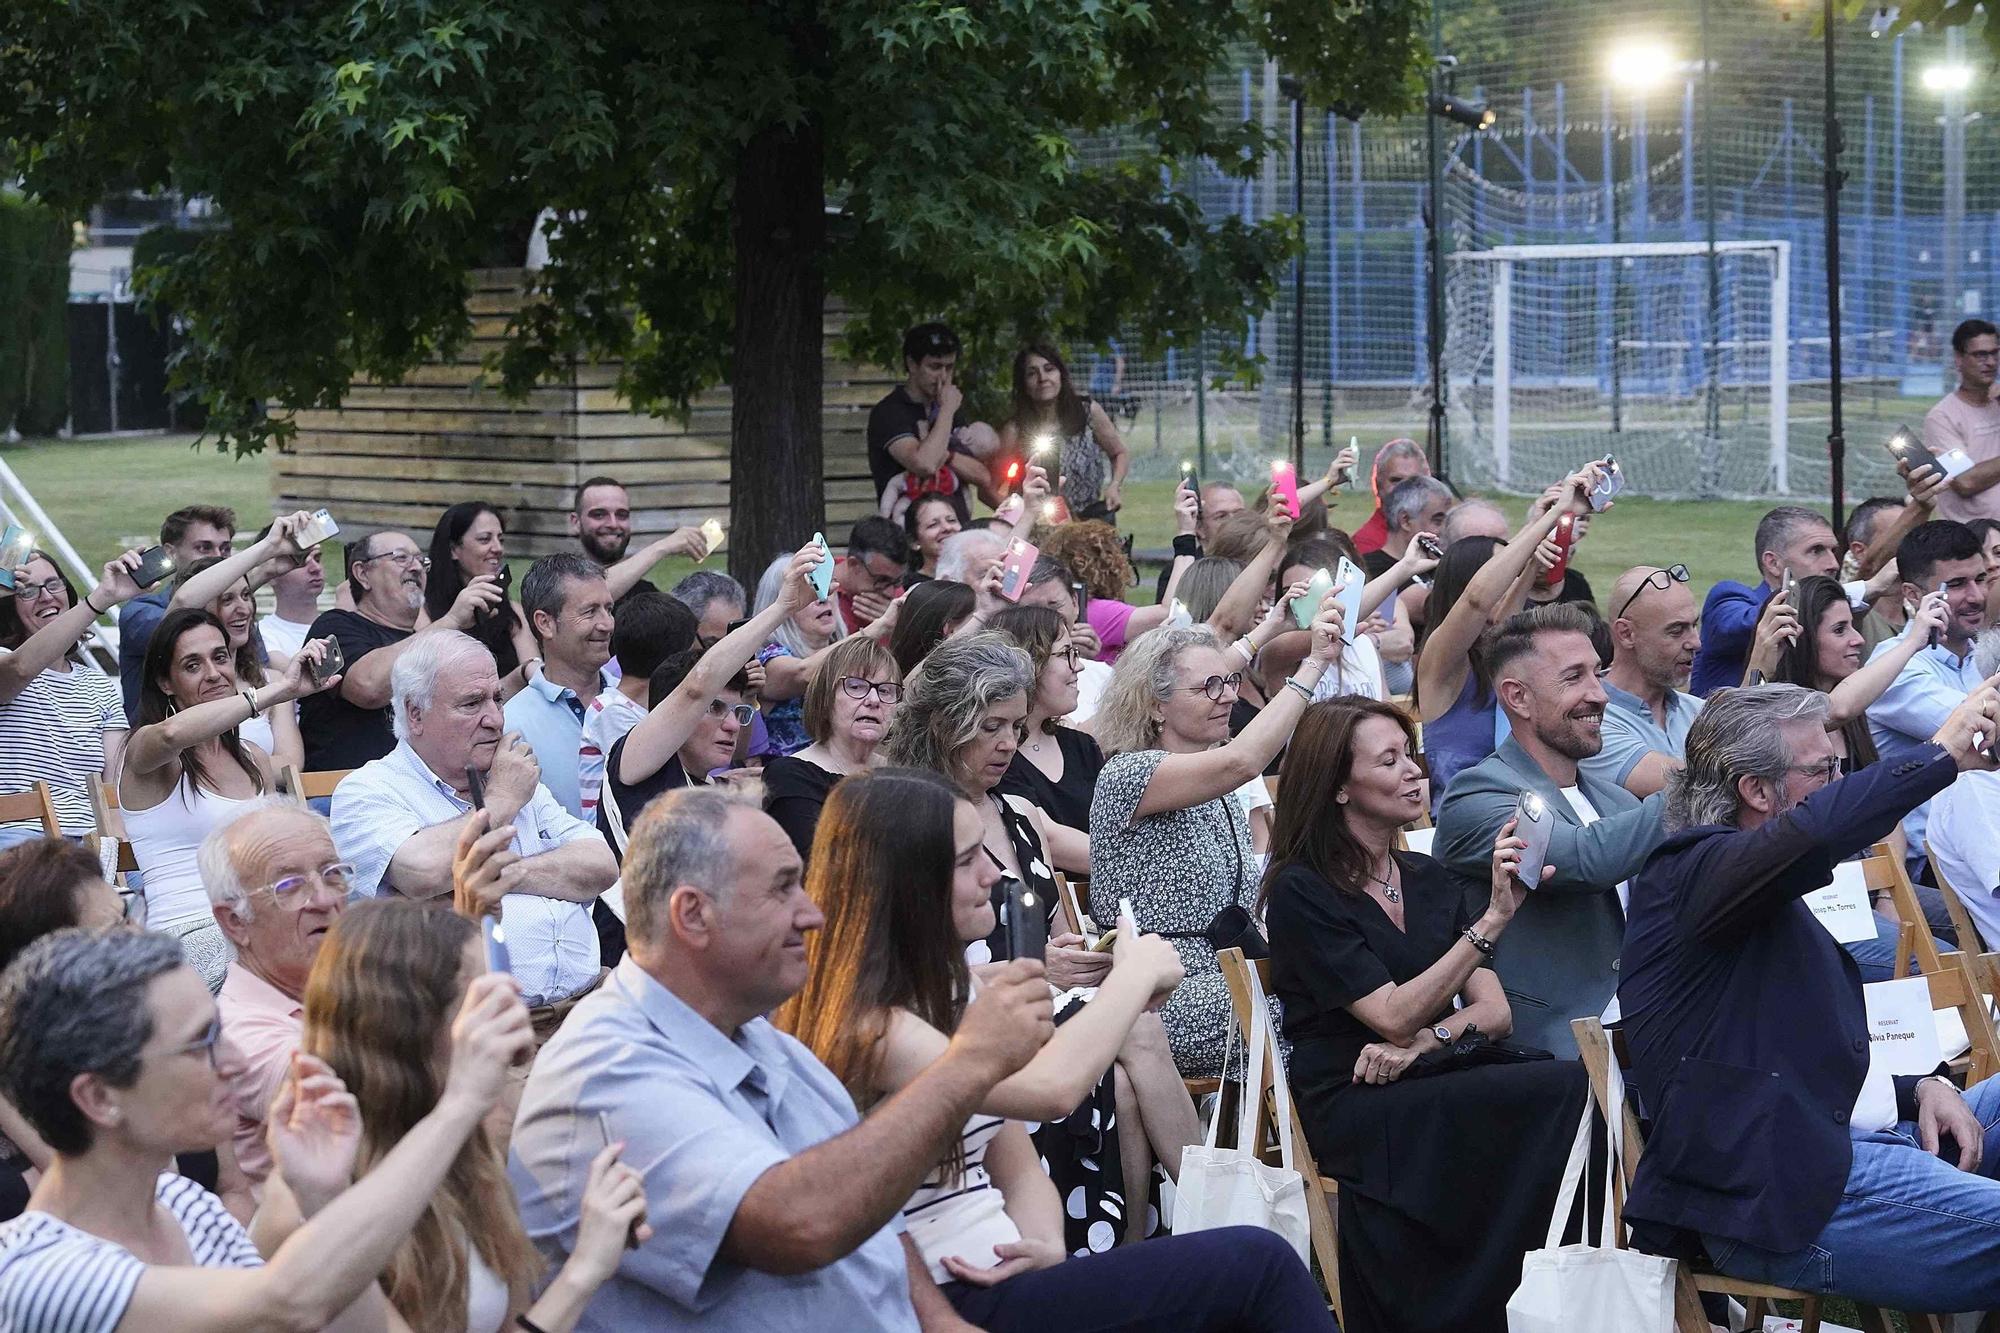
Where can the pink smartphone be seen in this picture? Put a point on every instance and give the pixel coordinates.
(1020, 558)
(1285, 485)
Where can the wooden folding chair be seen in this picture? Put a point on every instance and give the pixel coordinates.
(1598, 1049)
(1069, 913)
(1981, 961)
(1956, 973)
(310, 786)
(1320, 1190)
(37, 803)
(1884, 872)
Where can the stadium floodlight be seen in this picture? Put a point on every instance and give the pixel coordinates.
(1473, 115)
(1640, 65)
(1951, 76)
(1884, 20)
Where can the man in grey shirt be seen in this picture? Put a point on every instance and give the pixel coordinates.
(1655, 633)
(773, 1204)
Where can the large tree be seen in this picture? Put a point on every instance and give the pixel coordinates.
(721, 165)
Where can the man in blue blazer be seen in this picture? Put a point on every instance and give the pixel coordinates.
(1559, 960)
(1773, 1145)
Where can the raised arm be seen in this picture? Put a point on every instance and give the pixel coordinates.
(1152, 617)
(152, 748)
(1338, 471)
(198, 590)
(365, 683)
(1391, 581)
(1850, 698)
(1239, 602)
(623, 576)
(46, 646)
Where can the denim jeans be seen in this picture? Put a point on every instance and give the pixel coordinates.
(1911, 1232)
(1877, 957)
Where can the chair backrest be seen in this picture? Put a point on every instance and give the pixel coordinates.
(1954, 975)
(128, 860)
(1883, 871)
(37, 803)
(1981, 963)
(310, 786)
(1069, 914)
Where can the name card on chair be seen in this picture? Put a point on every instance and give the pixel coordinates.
(1902, 1034)
(1843, 907)
(1419, 840)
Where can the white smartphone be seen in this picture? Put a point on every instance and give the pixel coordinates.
(320, 527)
(1534, 823)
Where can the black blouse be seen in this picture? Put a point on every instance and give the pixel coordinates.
(1330, 948)
(795, 791)
(1068, 801)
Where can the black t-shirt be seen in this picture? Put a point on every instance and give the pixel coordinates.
(622, 802)
(339, 734)
(898, 415)
(1241, 714)
(1068, 801)
(1576, 588)
(1377, 563)
(795, 791)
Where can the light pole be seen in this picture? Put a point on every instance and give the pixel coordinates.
(1474, 117)
(1638, 66)
(1950, 81)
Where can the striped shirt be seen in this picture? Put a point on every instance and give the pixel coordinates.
(605, 722)
(53, 732)
(962, 1214)
(57, 1279)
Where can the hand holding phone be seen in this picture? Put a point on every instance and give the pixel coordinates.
(1937, 635)
(712, 535)
(1534, 824)
(320, 527)
(1015, 567)
(1285, 485)
(332, 662)
(1027, 920)
(1306, 605)
(15, 543)
(1193, 483)
(155, 563)
(822, 573)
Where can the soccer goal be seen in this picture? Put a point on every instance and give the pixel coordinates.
(1557, 354)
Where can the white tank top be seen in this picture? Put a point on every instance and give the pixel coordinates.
(963, 1215)
(165, 839)
(486, 1296)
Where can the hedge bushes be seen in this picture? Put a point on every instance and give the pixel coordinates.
(34, 338)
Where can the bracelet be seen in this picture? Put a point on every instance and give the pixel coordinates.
(1478, 941)
(1187, 544)
(94, 612)
(1305, 691)
(1249, 653)
(251, 699)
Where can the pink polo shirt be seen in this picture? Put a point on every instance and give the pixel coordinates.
(261, 1027)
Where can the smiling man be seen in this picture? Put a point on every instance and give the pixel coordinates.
(568, 606)
(1559, 960)
(1655, 634)
(276, 886)
(601, 522)
(399, 817)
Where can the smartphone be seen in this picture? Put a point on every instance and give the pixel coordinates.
(334, 664)
(1565, 535)
(1010, 508)
(735, 625)
(1081, 594)
(1534, 823)
(1014, 568)
(1055, 510)
(155, 563)
(1354, 477)
(1350, 580)
(1937, 636)
(15, 543)
(1607, 489)
(822, 573)
(1104, 942)
(1178, 616)
(1908, 447)
(319, 528)
(1193, 483)
(712, 535)
(1785, 584)
(475, 787)
(1306, 605)
(1430, 546)
(1285, 485)
(495, 936)
(1027, 920)
(1010, 476)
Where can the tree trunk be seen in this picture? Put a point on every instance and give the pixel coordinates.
(777, 492)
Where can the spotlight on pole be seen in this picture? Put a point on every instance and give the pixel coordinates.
(1884, 19)
(1640, 66)
(1950, 77)
(1472, 115)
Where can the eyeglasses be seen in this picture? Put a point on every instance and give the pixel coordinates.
(1826, 770)
(1069, 655)
(1993, 355)
(30, 592)
(860, 687)
(883, 582)
(293, 892)
(400, 559)
(1662, 579)
(1217, 686)
(204, 1044)
(741, 712)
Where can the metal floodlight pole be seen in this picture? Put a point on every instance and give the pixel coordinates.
(1836, 439)
(1711, 353)
(1434, 273)
(1296, 91)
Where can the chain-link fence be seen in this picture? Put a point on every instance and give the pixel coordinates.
(1624, 142)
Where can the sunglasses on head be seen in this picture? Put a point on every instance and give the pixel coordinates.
(1662, 579)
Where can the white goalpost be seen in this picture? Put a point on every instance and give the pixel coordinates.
(1558, 353)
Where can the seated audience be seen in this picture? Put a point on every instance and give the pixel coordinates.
(1419, 504)
(1960, 832)
(185, 771)
(788, 659)
(276, 886)
(108, 1047)
(347, 727)
(1163, 829)
(867, 579)
(1394, 463)
(716, 600)
(61, 721)
(276, 732)
(1788, 540)
(918, 441)
(397, 819)
(902, 885)
(929, 522)
(1067, 432)
(377, 1011)
(927, 615)
(1219, 503)
(1051, 584)
(1560, 960)
(646, 631)
(847, 711)
(295, 603)
(1655, 633)
(197, 532)
(1095, 555)
(601, 522)
(470, 542)
(697, 706)
(767, 1194)
(1773, 1146)
(1382, 966)
(968, 557)
(1056, 768)
(569, 610)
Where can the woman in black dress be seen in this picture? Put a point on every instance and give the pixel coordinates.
(1056, 767)
(847, 710)
(1447, 1175)
(470, 542)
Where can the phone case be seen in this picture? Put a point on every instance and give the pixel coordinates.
(497, 959)
(319, 528)
(1350, 579)
(15, 543)
(1565, 535)
(1534, 823)
(1178, 616)
(822, 573)
(1906, 446)
(1285, 485)
(1020, 559)
(1306, 605)
(712, 534)
(155, 563)
(1193, 483)
(334, 664)
(1607, 490)
(1027, 921)
(1430, 546)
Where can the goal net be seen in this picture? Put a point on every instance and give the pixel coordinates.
(1558, 354)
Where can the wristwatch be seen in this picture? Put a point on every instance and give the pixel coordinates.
(1443, 1034)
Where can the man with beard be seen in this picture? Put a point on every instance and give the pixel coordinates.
(348, 726)
(1559, 960)
(568, 605)
(602, 525)
(1655, 634)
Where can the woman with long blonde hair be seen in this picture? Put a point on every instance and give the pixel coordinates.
(389, 977)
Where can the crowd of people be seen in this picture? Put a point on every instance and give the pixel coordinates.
(706, 957)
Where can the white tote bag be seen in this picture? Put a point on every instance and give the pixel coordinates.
(1229, 1187)
(1586, 1288)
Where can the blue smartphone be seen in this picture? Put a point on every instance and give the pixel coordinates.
(822, 573)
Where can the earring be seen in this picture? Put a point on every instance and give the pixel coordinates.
(1340, 798)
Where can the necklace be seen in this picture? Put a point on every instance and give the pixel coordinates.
(1389, 890)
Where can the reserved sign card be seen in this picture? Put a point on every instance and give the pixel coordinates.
(1902, 1033)
(1842, 906)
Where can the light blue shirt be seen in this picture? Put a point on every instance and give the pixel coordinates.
(550, 719)
(702, 1116)
(551, 944)
(1631, 733)
(1907, 714)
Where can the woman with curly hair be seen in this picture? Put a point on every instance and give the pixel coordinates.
(1094, 553)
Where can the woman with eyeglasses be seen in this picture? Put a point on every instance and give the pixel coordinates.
(470, 542)
(964, 717)
(787, 656)
(1165, 831)
(186, 769)
(60, 721)
(1056, 768)
(108, 1048)
(847, 712)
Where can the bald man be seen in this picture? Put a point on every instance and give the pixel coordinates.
(1655, 633)
(1475, 518)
